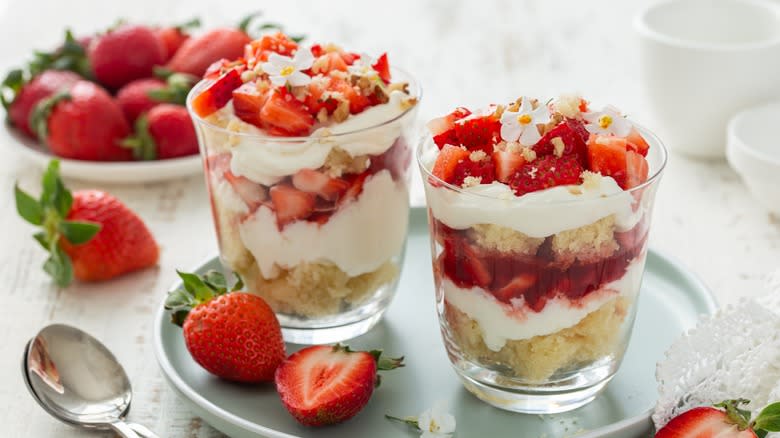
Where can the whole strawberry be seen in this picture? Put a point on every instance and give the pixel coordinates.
(173, 37)
(166, 131)
(84, 123)
(322, 384)
(90, 234)
(25, 95)
(724, 420)
(233, 335)
(124, 54)
(141, 95)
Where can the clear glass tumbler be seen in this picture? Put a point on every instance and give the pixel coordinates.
(329, 276)
(536, 299)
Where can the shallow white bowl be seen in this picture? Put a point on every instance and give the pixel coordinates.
(753, 150)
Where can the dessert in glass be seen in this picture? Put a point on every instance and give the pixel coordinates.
(539, 215)
(306, 159)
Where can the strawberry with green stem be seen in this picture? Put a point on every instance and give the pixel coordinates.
(233, 335)
(723, 420)
(89, 234)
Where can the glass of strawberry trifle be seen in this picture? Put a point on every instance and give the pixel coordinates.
(306, 158)
(539, 214)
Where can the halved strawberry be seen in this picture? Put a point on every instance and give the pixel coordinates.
(636, 169)
(288, 114)
(516, 287)
(291, 204)
(507, 164)
(478, 132)
(607, 156)
(730, 421)
(382, 66)
(217, 94)
(247, 103)
(573, 135)
(545, 172)
(252, 193)
(637, 143)
(323, 384)
(442, 128)
(447, 162)
(312, 181)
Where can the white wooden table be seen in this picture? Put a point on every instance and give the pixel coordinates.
(464, 53)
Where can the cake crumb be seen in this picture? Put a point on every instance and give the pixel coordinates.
(591, 242)
(528, 154)
(477, 156)
(471, 181)
(568, 105)
(504, 239)
(558, 146)
(590, 180)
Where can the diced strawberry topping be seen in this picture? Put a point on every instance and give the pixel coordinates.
(291, 204)
(319, 97)
(312, 181)
(447, 162)
(218, 68)
(545, 172)
(330, 61)
(357, 101)
(260, 50)
(572, 134)
(250, 192)
(217, 94)
(507, 164)
(636, 169)
(247, 103)
(467, 266)
(607, 156)
(482, 169)
(286, 113)
(478, 132)
(637, 143)
(382, 66)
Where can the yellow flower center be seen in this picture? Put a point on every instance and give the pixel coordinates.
(287, 71)
(605, 121)
(524, 119)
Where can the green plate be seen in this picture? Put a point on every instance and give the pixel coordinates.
(671, 301)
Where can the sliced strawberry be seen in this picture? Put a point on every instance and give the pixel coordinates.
(636, 169)
(573, 135)
(283, 111)
(357, 101)
(442, 128)
(545, 172)
(382, 66)
(507, 164)
(355, 188)
(291, 204)
(464, 264)
(328, 62)
(250, 192)
(483, 169)
(703, 422)
(222, 66)
(607, 156)
(447, 162)
(312, 181)
(260, 49)
(247, 103)
(217, 94)
(516, 287)
(637, 143)
(478, 132)
(319, 97)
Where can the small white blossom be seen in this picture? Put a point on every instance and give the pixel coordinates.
(520, 125)
(284, 70)
(607, 121)
(363, 66)
(436, 422)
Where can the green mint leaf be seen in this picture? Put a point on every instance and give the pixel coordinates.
(59, 267)
(28, 207)
(195, 286)
(769, 418)
(77, 232)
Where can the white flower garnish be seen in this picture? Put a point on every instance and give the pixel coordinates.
(607, 121)
(284, 70)
(435, 422)
(520, 125)
(363, 66)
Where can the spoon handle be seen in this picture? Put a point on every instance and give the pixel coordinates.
(142, 431)
(124, 430)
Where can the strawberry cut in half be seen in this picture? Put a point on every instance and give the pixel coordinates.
(291, 204)
(545, 172)
(724, 420)
(312, 181)
(443, 128)
(447, 162)
(507, 164)
(478, 132)
(572, 134)
(323, 384)
(252, 193)
(247, 103)
(218, 94)
(286, 113)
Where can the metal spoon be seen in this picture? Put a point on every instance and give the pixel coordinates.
(77, 380)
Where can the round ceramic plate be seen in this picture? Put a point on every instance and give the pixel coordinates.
(671, 301)
(112, 172)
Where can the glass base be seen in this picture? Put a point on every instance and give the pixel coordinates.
(328, 335)
(551, 398)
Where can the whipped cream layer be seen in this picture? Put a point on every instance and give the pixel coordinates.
(536, 214)
(267, 161)
(358, 238)
(501, 322)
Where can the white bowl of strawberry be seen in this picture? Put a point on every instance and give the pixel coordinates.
(307, 159)
(539, 215)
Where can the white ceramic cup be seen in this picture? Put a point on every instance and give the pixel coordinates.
(702, 61)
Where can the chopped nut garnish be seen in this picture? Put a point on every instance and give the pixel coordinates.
(529, 155)
(558, 146)
(322, 115)
(248, 75)
(590, 180)
(568, 105)
(408, 103)
(499, 111)
(575, 190)
(398, 86)
(471, 181)
(515, 106)
(477, 156)
(514, 147)
(262, 86)
(555, 119)
(342, 110)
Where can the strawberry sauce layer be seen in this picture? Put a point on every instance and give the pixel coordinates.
(532, 278)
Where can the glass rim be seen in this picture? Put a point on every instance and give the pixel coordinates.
(416, 92)
(653, 140)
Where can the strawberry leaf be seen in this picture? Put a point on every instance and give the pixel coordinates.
(769, 418)
(142, 143)
(77, 232)
(239, 283)
(10, 86)
(59, 267)
(39, 117)
(40, 237)
(739, 417)
(243, 25)
(195, 286)
(216, 281)
(192, 24)
(197, 290)
(28, 207)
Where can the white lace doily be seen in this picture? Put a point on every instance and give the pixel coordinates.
(732, 354)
